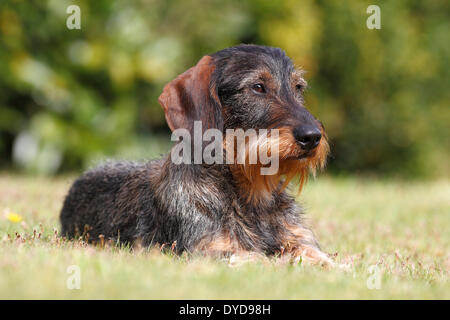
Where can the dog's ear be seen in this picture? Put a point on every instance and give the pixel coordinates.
(192, 96)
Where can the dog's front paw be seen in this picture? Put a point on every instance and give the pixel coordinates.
(313, 256)
(241, 258)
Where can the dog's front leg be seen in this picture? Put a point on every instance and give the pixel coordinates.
(301, 245)
(311, 255)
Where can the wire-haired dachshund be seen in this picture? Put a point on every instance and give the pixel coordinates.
(221, 208)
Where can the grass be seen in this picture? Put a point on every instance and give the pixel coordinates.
(401, 227)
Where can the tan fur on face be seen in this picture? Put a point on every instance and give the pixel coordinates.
(256, 186)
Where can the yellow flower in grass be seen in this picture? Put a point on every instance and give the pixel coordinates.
(14, 217)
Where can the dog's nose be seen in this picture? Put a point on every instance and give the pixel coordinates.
(308, 137)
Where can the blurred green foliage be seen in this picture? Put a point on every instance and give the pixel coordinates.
(68, 97)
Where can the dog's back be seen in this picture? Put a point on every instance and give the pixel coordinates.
(97, 199)
(124, 201)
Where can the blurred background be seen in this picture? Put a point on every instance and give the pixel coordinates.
(69, 98)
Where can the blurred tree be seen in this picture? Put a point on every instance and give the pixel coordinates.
(70, 96)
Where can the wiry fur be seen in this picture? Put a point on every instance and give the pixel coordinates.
(214, 209)
(256, 185)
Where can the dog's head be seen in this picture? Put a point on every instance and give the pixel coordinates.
(250, 87)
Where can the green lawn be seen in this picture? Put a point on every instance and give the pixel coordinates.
(401, 227)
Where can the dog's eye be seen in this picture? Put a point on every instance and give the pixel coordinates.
(259, 87)
(299, 87)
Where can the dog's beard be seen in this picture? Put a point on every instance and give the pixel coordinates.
(293, 163)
